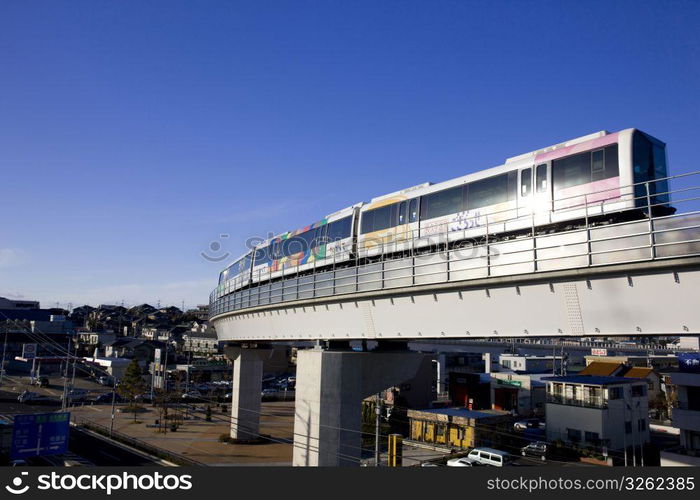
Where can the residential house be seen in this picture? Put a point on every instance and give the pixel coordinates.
(607, 413)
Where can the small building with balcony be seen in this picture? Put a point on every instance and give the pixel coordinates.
(599, 412)
(686, 417)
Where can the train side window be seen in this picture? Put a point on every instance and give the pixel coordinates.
(598, 160)
(402, 212)
(382, 218)
(367, 225)
(440, 203)
(339, 229)
(321, 235)
(541, 178)
(525, 182)
(413, 210)
(489, 191)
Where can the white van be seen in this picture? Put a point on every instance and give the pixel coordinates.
(489, 456)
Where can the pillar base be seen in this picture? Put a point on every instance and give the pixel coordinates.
(329, 392)
(246, 389)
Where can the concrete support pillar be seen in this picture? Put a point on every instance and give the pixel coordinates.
(442, 374)
(329, 392)
(246, 389)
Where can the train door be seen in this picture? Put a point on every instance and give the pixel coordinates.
(525, 196)
(542, 193)
(401, 221)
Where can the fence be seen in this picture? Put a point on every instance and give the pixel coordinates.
(135, 443)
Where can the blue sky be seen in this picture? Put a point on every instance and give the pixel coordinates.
(134, 133)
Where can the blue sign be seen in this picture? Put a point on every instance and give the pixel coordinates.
(689, 362)
(40, 434)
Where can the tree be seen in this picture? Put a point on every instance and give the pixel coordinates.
(132, 384)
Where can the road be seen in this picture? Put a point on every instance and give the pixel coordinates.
(102, 452)
(98, 450)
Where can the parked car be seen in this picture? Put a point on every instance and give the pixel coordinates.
(40, 381)
(77, 395)
(489, 456)
(25, 396)
(28, 397)
(528, 423)
(536, 449)
(461, 462)
(105, 380)
(106, 398)
(144, 398)
(192, 395)
(269, 392)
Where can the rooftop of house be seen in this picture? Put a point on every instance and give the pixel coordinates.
(602, 368)
(638, 372)
(591, 380)
(464, 412)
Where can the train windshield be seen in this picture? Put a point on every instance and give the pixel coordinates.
(649, 164)
(240, 266)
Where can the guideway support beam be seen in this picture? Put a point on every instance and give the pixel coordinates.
(246, 389)
(329, 392)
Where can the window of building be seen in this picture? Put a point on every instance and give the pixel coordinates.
(592, 437)
(628, 427)
(693, 397)
(639, 390)
(573, 435)
(615, 393)
(641, 425)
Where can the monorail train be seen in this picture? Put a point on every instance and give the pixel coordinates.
(594, 175)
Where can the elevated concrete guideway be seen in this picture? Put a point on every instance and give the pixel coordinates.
(636, 277)
(643, 298)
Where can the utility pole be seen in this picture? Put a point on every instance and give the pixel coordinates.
(378, 413)
(114, 401)
(65, 378)
(2, 365)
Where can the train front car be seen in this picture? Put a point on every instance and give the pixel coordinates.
(601, 174)
(235, 276)
(325, 243)
(607, 174)
(650, 173)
